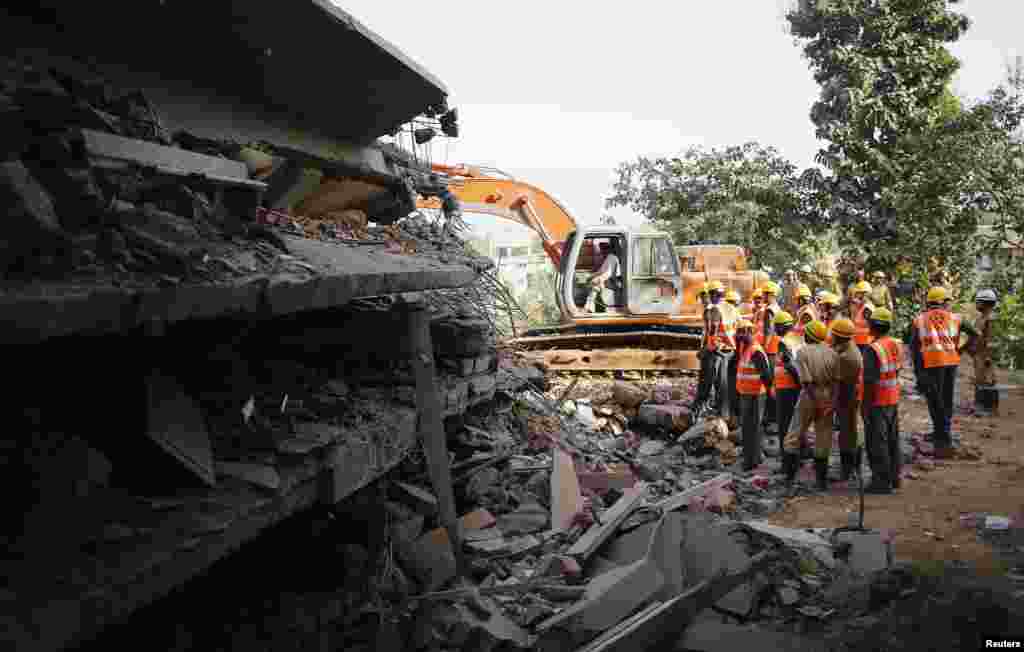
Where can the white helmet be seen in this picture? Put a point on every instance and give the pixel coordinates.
(985, 295)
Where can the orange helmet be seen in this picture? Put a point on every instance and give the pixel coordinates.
(843, 328)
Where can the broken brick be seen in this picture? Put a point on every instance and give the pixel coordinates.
(616, 476)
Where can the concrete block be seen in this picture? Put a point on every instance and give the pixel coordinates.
(670, 417)
(617, 476)
(709, 548)
(868, 551)
(819, 547)
(430, 557)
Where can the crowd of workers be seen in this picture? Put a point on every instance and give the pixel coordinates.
(823, 363)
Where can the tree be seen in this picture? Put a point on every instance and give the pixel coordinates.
(898, 141)
(747, 195)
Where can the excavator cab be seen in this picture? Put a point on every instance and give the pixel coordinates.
(643, 278)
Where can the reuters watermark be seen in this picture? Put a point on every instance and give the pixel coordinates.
(1002, 644)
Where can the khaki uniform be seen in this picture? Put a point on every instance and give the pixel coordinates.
(851, 374)
(818, 365)
(984, 371)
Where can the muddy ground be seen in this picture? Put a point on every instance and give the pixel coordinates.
(924, 516)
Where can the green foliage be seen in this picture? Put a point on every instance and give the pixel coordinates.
(1008, 332)
(747, 195)
(910, 171)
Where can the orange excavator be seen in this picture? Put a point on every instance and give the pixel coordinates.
(650, 315)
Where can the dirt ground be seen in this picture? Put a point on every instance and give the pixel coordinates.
(924, 514)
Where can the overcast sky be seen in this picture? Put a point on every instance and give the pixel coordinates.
(557, 93)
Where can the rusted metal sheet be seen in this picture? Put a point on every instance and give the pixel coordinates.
(616, 359)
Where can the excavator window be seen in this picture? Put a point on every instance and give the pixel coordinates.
(594, 251)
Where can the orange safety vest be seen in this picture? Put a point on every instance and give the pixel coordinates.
(748, 378)
(890, 362)
(783, 379)
(830, 340)
(862, 330)
(720, 339)
(939, 333)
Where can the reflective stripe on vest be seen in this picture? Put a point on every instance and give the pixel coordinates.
(939, 334)
(783, 379)
(890, 362)
(862, 330)
(748, 378)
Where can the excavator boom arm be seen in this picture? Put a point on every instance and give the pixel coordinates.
(509, 199)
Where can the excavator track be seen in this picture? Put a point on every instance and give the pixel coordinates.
(617, 351)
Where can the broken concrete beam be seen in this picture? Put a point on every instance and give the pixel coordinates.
(430, 557)
(419, 499)
(816, 545)
(112, 150)
(609, 598)
(261, 475)
(31, 219)
(683, 498)
(598, 533)
(175, 422)
(566, 500)
(709, 548)
(659, 626)
(616, 476)
(529, 517)
(675, 418)
(663, 551)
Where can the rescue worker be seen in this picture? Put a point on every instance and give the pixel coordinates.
(732, 297)
(827, 310)
(757, 304)
(880, 296)
(935, 344)
(859, 311)
(805, 310)
(882, 364)
(986, 396)
(818, 367)
(787, 379)
(609, 268)
(848, 395)
(790, 284)
(770, 341)
(717, 347)
(754, 378)
(703, 295)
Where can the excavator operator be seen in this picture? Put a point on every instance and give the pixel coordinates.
(609, 269)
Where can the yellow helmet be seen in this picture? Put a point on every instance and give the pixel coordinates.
(830, 299)
(783, 318)
(758, 292)
(744, 324)
(862, 286)
(716, 286)
(816, 330)
(704, 289)
(937, 295)
(732, 296)
(843, 328)
(882, 316)
(771, 288)
(802, 291)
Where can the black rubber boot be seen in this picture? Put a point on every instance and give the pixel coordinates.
(790, 466)
(858, 460)
(845, 465)
(821, 472)
(879, 484)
